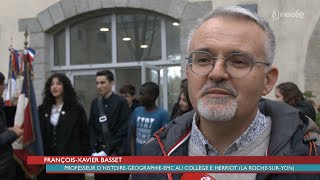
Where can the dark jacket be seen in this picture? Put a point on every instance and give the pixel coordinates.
(307, 108)
(1, 102)
(72, 132)
(135, 104)
(117, 111)
(287, 123)
(6, 139)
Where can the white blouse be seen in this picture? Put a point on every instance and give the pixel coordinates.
(55, 113)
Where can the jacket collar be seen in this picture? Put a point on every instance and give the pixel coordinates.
(288, 126)
(65, 121)
(176, 132)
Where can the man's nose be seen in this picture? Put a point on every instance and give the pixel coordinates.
(219, 71)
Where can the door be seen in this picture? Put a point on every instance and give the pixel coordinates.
(151, 73)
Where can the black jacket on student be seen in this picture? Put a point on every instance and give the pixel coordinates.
(117, 111)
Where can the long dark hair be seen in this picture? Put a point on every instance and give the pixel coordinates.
(185, 92)
(69, 94)
(290, 92)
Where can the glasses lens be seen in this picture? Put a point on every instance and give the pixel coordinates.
(201, 63)
(238, 65)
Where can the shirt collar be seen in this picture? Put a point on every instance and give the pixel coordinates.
(56, 108)
(256, 127)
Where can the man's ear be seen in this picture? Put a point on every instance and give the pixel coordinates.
(270, 80)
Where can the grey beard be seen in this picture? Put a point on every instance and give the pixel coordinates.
(222, 111)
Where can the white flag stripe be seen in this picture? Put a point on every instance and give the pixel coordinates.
(21, 106)
(19, 118)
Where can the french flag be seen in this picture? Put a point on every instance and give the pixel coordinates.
(27, 117)
(12, 85)
(31, 54)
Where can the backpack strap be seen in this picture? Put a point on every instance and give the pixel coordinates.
(312, 145)
(103, 119)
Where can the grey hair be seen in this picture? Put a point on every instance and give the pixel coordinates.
(239, 12)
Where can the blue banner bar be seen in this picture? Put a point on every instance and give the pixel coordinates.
(164, 168)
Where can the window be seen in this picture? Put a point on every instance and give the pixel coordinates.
(90, 41)
(60, 48)
(138, 37)
(173, 43)
(85, 94)
(118, 40)
(122, 78)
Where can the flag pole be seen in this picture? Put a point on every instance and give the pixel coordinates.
(10, 71)
(28, 71)
(28, 64)
(32, 140)
(25, 55)
(25, 59)
(26, 39)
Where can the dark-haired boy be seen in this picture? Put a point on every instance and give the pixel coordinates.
(128, 91)
(108, 126)
(148, 118)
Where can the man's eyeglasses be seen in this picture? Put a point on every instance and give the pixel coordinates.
(238, 65)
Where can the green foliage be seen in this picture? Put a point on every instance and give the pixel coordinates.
(308, 95)
(318, 119)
